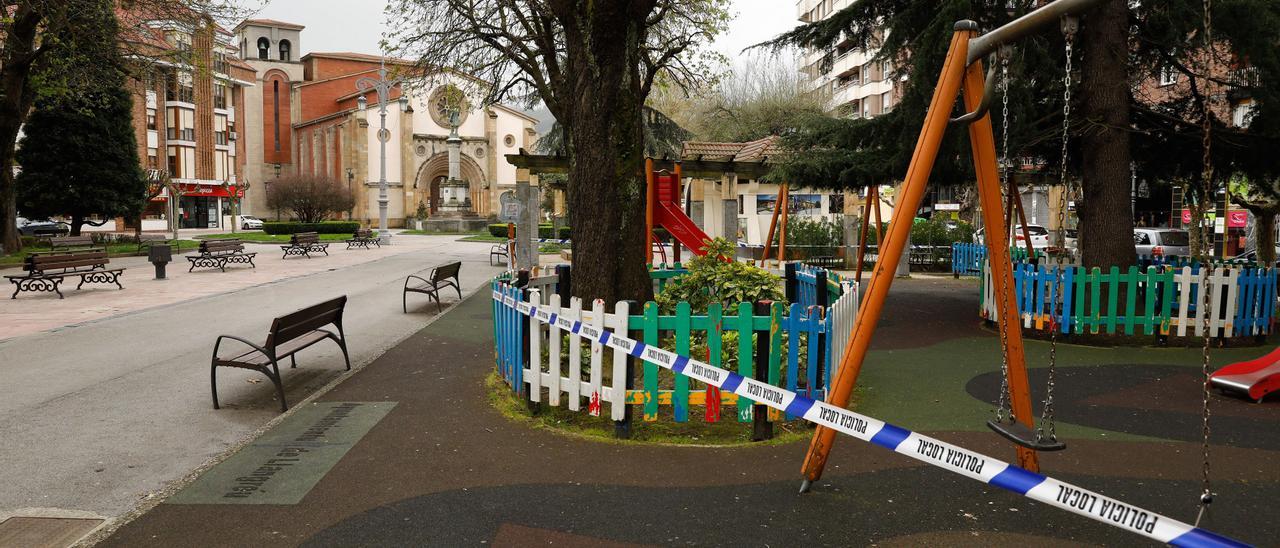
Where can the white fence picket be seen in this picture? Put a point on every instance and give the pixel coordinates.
(597, 356)
(617, 394)
(533, 375)
(554, 370)
(574, 380)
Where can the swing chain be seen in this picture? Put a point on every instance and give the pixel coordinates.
(1206, 495)
(1004, 408)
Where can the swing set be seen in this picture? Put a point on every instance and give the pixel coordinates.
(963, 74)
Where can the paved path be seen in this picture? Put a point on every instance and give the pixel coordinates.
(98, 415)
(426, 460)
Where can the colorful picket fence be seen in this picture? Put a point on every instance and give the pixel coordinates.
(811, 285)
(791, 346)
(1164, 301)
(968, 259)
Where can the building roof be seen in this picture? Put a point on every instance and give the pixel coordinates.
(353, 56)
(269, 23)
(751, 151)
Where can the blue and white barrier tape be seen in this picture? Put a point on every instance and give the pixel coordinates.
(932, 451)
(552, 241)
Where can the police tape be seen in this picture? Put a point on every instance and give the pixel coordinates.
(935, 452)
(551, 241)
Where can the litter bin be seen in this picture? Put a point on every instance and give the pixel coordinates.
(160, 255)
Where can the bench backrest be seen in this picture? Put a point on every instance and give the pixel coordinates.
(218, 246)
(296, 324)
(363, 233)
(65, 261)
(153, 238)
(304, 238)
(71, 241)
(445, 271)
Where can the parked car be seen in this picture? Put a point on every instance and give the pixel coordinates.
(46, 227)
(1251, 256)
(249, 222)
(1039, 236)
(1162, 241)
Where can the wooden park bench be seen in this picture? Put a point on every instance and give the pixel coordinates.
(46, 271)
(362, 238)
(289, 334)
(145, 241)
(441, 277)
(498, 254)
(64, 243)
(303, 243)
(217, 253)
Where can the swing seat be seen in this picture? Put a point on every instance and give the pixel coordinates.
(1018, 433)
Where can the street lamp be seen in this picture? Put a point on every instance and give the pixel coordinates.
(382, 86)
(268, 191)
(351, 177)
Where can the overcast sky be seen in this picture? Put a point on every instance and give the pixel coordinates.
(337, 25)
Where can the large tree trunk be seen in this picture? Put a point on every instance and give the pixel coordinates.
(1264, 230)
(601, 117)
(15, 102)
(1106, 220)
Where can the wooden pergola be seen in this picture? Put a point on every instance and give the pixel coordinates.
(693, 165)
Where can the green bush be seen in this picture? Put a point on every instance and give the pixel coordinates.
(819, 237)
(712, 280)
(329, 227)
(499, 230)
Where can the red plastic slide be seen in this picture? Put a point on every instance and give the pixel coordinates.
(667, 214)
(1254, 378)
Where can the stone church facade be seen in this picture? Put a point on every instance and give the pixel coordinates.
(319, 127)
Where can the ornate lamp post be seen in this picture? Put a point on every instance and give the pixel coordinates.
(383, 87)
(351, 177)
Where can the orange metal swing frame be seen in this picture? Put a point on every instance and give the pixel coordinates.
(959, 72)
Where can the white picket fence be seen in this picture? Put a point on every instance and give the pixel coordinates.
(560, 377)
(843, 312)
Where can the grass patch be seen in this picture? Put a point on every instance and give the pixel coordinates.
(259, 237)
(727, 432)
(113, 250)
(436, 233)
(482, 238)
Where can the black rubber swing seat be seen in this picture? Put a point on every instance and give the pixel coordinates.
(1018, 433)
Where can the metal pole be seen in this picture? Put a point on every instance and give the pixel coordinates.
(1028, 24)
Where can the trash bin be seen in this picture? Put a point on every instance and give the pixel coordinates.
(160, 254)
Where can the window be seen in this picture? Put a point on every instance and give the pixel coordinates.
(1141, 238)
(264, 49)
(275, 112)
(1168, 76)
(151, 119)
(220, 63)
(173, 162)
(219, 96)
(285, 50)
(886, 101)
(151, 159)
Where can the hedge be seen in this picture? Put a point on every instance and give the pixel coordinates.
(330, 227)
(544, 231)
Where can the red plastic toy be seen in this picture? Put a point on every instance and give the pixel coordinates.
(1254, 379)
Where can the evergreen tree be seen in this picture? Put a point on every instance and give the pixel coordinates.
(1121, 46)
(80, 157)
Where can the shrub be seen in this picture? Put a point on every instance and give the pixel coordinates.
(818, 237)
(331, 227)
(713, 280)
(499, 230)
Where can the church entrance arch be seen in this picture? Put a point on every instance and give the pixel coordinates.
(435, 170)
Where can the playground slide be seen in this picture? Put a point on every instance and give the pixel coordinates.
(1254, 378)
(669, 216)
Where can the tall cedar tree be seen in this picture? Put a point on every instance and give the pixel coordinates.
(1119, 49)
(80, 158)
(593, 64)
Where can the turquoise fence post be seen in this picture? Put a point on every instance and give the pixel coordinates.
(792, 325)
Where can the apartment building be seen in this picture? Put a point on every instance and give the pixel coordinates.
(854, 84)
(189, 96)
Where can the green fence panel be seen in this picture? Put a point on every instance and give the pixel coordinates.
(683, 335)
(745, 361)
(650, 369)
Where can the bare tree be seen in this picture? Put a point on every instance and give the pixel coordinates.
(593, 64)
(311, 198)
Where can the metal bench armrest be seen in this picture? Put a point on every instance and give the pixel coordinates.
(254, 346)
(413, 277)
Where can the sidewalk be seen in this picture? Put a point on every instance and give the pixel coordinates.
(409, 452)
(35, 312)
